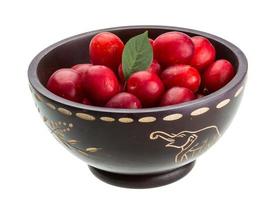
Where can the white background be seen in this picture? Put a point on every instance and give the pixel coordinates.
(34, 166)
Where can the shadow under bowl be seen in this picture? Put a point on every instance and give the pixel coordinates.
(135, 148)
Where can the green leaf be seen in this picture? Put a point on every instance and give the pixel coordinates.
(137, 55)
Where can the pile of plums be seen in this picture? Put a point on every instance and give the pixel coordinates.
(183, 68)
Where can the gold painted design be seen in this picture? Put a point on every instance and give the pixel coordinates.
(72, 141)
(173, 117)
(87, 151)
(107, 119)
(199, 111)
(223, 103)
(125, 120)
(188, 143)
(59, 129)
(51, 123)
(239, 91)
(147, 119)
(92, 149)
(64, 111)
(38, 97)
(51, 106)
(85, 116)
(70, 125)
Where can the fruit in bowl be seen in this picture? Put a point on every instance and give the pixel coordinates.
(134, 69)
(147, 128)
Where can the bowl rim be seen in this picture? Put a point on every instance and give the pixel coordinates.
(237, 79)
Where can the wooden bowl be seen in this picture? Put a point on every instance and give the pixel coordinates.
(136, 148)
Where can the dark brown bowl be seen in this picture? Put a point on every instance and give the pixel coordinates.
(135, 148)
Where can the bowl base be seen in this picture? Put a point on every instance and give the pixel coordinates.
(142, 181)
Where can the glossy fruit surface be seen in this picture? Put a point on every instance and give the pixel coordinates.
(218, 74)
(173, 48)
(66, 83)
(154, 67)
(124, 100)
(181, 76)
(106, 49)
(82, 68)
(100, 84)
(204, 53)
(146, 86)
(120, 73)
(176, 95)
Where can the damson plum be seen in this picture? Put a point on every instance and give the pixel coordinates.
(106, 49)
(182, 76)
(124, 100)
(100, 84)
(66, 83)
(204, 53)
(218, 74)
(147, 87)
(176, 95)
(173, 48)
(82, 68)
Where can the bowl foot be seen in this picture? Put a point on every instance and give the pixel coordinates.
(142, 181)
